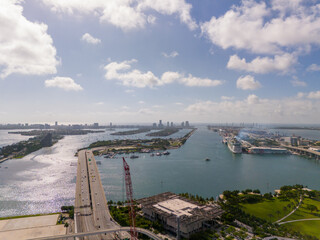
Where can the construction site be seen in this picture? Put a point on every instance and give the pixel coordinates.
(179, 215)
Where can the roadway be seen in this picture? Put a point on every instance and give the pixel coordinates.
(119, 229)
(91, 208)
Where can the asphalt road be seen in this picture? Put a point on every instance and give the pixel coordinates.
(91, 208)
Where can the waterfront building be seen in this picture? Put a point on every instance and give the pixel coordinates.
(187, 124)
(294, 141)
(96, 125)
(182, 124)
(178, 214)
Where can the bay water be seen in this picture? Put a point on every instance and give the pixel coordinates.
(45, 180)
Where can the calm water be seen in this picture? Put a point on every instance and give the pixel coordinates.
(45, 180)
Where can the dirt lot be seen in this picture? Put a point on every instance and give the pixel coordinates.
(30, 227)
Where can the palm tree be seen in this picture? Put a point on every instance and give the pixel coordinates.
(284, 209)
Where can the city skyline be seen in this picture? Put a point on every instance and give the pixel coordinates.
(139, 61)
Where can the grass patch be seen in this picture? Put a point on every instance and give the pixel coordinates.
(269, 210)
(24, 216)
(303, 212)
(307, 227)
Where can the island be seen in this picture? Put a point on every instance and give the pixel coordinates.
(131, 132)
(137, 145)
(164, 133)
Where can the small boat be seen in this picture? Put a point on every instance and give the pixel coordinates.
(133, 156)
(152, 154)
(207, 159)
(158, 154)
(166, 153)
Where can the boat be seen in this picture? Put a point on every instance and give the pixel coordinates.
(152, 154)
(158, 154)
(234, 145)
(207, 159)
(133, 156)
(267, 150)
(165, 153)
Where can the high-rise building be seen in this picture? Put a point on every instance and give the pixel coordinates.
(187, 124)
(168, 124)
(56, 124)
(182, 124)
(96, 125)
(160, 124)
(171, 124)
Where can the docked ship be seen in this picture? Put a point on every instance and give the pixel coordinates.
(267, 150)
(234, 145)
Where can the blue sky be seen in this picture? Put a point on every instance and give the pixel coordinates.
(128, 61)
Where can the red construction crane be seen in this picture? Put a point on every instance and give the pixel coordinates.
(133, 232)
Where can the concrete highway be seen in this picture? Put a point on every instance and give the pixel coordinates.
(91, 208)
(120, 229)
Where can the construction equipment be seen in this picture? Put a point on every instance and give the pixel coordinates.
(129, 192)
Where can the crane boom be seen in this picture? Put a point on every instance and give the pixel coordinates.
(129, 192)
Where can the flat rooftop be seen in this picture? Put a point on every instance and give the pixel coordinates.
(176, 207)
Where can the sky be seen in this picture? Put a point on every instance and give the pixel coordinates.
(138, 61)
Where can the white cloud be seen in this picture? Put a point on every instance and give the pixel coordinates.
(248, 83)
(280, 63)
(25, 46)
(125, 14)
(151, 19)
(297, 83)
(66, 83)
(192, 81)
(226, 98)
(260, 28)
(255, 109)
(141, 102)
(314, 95)
(170, 55)
(178, 103)
(122, 72)
(313, 67)
(170, 7)
(99, 103)
(89, 39)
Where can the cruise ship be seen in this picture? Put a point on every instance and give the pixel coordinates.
(234, 145)
(267, 150)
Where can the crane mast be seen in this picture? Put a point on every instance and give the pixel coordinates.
(129, 193)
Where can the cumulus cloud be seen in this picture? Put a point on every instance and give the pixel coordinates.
(226, 98)
(280, 63)
(313, 68)
(248, 83)
(89, 39)
(126, 14)
(170, 55)
(170, 7)
(123, 73)
(297, 83)
(66, 83)
(314, 95)
(255, 109)
(25, 46)
(269, 29)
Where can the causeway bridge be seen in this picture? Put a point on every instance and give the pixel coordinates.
(304, 151)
